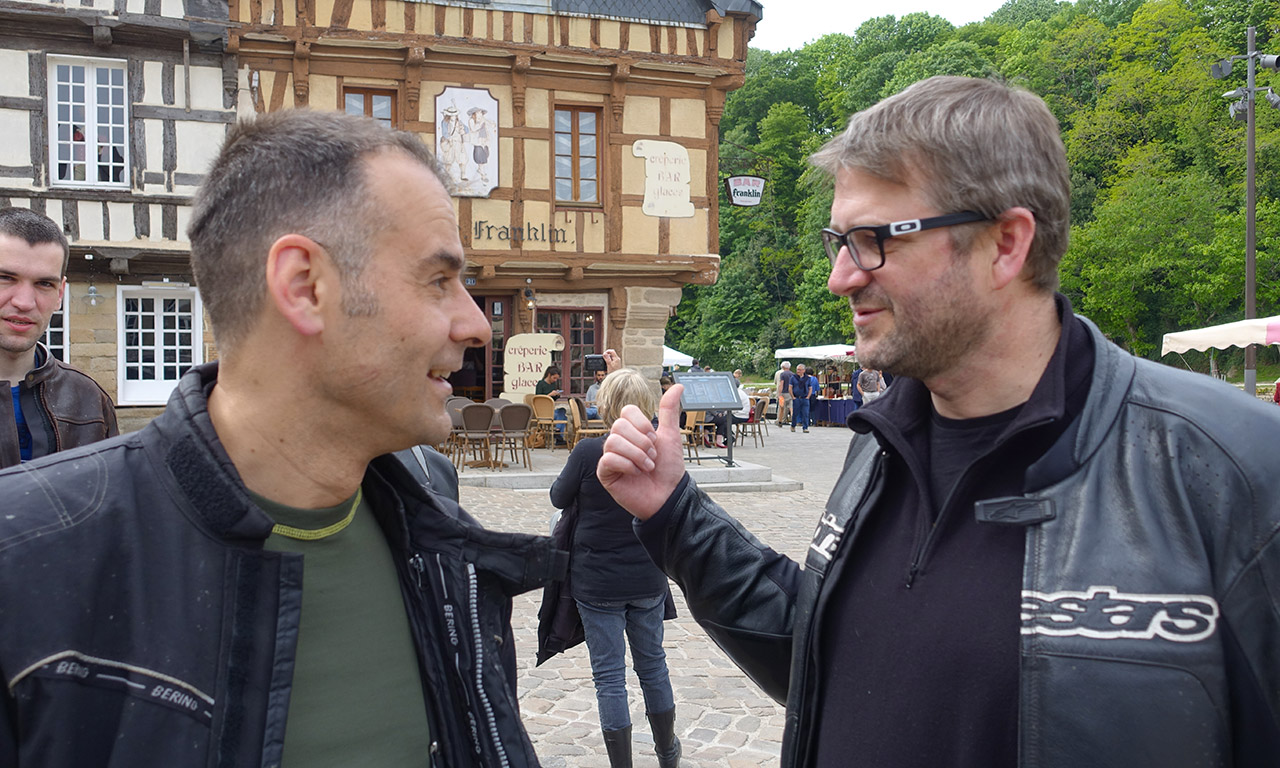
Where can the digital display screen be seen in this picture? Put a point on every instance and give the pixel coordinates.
(717, 391)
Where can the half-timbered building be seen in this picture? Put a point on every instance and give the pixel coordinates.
(110, 112)
(581, 137)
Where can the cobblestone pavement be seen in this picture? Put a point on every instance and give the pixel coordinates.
(722, 718)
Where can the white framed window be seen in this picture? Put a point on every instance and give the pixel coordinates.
(161, 335)
(56, 336)
(88, 115)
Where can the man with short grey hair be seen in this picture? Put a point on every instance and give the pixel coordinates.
(1038, 553)
(51, 405)
(782, 391)
(253, 579)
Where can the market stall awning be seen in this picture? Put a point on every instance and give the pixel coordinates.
(672, 357)
(1261, 330)
(820, 352)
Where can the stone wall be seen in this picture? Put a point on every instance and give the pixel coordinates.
(646, 327)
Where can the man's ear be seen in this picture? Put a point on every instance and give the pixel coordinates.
(1013, 232)
(299, 278)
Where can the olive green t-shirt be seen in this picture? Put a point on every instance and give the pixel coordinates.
(357, 693)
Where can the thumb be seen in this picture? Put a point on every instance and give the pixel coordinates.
(669, 409)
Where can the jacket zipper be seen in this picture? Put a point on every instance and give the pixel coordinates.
(476, 636)
(917, 560)
(418, 565)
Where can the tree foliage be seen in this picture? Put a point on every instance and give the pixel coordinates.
(1157, 166)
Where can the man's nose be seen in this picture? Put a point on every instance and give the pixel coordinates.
(23, 296)
(470, 326)
(846, 276)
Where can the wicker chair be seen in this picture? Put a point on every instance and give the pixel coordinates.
(544, 417)
(582, 427)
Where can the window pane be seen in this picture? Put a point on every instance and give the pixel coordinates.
(354, 104)
(564, 191)
(564, 144)
(564, 120)
(564, 167)
(586, 122)
(587, 146)
(587, 191)
(382, 107)
(587, 168)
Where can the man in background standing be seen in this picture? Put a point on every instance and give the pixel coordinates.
(800, 383)
(51, 405)
(782, 388)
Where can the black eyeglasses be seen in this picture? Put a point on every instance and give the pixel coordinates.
(866, 243)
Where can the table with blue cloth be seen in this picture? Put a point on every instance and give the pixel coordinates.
(833, 412)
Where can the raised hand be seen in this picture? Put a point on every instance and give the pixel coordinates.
(640, 466)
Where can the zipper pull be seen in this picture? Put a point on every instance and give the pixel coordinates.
(419, 566)
(911, 575)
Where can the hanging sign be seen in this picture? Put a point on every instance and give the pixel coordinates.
(744, 190)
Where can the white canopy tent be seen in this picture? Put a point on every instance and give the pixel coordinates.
(1261, 330)
(820, 352)
(672, 357)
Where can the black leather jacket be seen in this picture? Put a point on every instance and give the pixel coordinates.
(1150, 625)
(64, 408)
(142, 623)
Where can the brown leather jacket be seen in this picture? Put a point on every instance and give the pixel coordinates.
(64, 408)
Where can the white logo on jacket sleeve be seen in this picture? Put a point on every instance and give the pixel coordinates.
(827, 536)
(1105, 613)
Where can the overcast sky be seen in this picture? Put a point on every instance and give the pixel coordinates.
(789, 24)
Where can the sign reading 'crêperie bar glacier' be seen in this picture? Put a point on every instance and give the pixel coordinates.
(744, 190)
(527, 357)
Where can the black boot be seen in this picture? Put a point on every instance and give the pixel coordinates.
(618, 745)
(665, 744)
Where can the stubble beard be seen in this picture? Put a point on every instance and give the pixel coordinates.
(931, 332)
(17, 345)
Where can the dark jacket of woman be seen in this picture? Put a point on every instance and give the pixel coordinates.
(608, 564)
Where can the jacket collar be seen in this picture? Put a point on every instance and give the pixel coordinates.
(46, 366)
(202, 470)
(200, 466)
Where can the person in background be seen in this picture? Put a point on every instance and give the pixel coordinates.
(870, 384)
(620, 593)
(593, 411)
(549, 385)
(782, 388)
(737, 374)
(51, 405)
(800, 385)
(813, 396)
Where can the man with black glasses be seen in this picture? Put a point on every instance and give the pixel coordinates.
(1034, 555)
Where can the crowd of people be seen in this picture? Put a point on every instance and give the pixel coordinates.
(1041, 550)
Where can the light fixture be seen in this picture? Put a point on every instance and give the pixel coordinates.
(92, 297)
(529, 298)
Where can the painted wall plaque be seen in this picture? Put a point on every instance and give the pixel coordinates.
(467, 139)
(666, 178)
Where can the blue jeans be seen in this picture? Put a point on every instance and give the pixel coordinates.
(605, 625)
(800, 412)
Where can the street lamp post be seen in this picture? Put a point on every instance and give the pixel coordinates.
(1247, 100)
